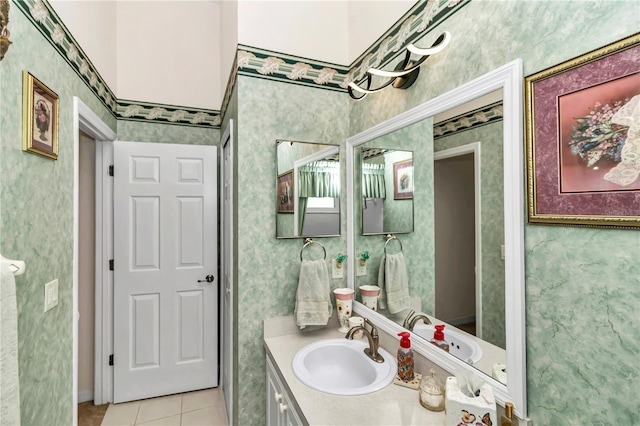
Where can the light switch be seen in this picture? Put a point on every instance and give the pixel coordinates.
(50, 295)
(502, 252)
(336, 272)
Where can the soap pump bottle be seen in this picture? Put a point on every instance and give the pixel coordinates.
(405, 358)
(507, 417)
(438, 338)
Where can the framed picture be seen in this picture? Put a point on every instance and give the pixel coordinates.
(285, 193)
(40, 118)
(403, 180)
(583, 139)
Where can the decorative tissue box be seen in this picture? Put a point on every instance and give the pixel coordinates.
(462, 409)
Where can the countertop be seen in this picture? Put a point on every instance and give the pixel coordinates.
(393, 405)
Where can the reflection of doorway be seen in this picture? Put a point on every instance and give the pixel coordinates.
(457, 238)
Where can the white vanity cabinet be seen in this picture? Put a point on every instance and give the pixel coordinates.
(280, 410)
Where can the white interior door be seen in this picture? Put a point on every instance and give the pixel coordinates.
(165, 247)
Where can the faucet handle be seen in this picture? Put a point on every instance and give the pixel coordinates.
(407, 320)
(374, 330)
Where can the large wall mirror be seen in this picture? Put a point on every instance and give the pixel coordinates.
(465, 256)
(307, 189)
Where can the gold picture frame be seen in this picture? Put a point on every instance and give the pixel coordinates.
(40, 117)
(580, 151)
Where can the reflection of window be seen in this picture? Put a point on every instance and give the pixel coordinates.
(322, 205)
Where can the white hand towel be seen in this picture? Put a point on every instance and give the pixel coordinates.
(9, 383)
(396, 283)
(382, 299)
(313, 298)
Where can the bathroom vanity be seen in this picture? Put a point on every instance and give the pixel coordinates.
(290, 402)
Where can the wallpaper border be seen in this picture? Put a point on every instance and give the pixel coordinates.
(475, 118)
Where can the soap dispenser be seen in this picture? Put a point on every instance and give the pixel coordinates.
(405, 358)
(438, 338)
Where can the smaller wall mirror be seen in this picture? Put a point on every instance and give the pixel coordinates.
(387, 184)
(307, 189)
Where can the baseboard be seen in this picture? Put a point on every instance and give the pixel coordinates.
(84, 396)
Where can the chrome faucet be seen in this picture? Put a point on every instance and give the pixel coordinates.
(411, 320)
(372, 350)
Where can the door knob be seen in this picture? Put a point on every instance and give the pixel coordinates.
(207, 279)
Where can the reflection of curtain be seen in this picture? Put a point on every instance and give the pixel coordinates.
(317, 179)
(373, 184)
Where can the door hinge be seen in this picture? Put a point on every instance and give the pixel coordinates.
(111, 170)
(111, 359)
(111, 264)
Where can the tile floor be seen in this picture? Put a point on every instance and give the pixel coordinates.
(199, 408)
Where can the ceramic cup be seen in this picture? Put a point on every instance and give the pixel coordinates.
(357, 322)
(370, 294)
(344, 302)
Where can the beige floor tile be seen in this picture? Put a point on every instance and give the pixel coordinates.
(121, 414)
(210, 416)
(157, 408)
(165, 421)
(199, 399)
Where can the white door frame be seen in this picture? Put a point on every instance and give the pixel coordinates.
(472, 148)
(85, 120)
(226, 254)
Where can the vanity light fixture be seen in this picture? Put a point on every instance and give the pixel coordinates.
(405, 73)
(4, 31)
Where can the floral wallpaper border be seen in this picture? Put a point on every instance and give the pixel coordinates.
(262, 63)
(45, 19)
(475, 118)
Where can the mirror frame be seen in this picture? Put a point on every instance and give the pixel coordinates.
(509, 78)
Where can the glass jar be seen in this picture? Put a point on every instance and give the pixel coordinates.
(431, 392)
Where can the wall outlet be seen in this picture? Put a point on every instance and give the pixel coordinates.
(361, 270)
(50, 295)
(336, 272)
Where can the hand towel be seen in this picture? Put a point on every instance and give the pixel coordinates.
(9, 384)
(382, 300)
(396, 283)
(313, 298)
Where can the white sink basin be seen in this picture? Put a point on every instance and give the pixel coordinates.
(460, 345)
(340, 367)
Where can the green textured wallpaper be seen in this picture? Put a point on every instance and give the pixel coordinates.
(268, 268)
(36, 208)
(582, 291)
(165, 133)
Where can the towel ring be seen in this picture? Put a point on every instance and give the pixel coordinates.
(309, 241)
(390, 237)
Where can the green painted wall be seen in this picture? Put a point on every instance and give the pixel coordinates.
(268, 268)
(36, 225)
(582, 285)
(140, 131)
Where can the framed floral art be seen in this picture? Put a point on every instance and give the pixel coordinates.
(40, 118)
(583, 139)
(403, 180)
